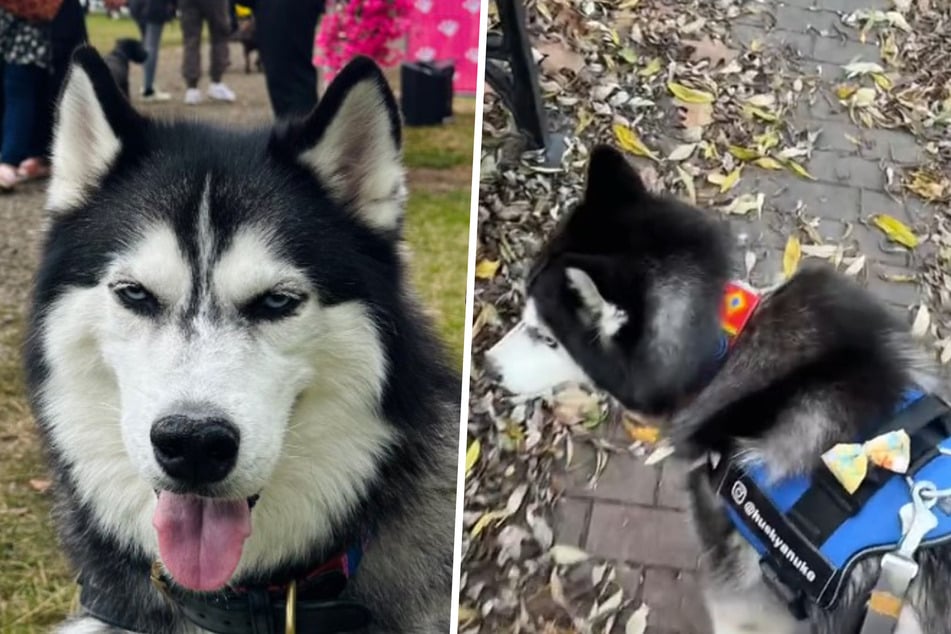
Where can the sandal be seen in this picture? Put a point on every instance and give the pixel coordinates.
(8, 177)
(33, 169)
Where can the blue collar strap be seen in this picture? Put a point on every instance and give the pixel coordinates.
(810, 532)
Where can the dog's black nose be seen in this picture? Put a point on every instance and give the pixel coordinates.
(195, 450)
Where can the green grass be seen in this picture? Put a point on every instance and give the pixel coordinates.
(441, 147)
(437, 227)
(104, 31)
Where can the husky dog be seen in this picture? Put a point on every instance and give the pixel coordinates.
(246, 413)
(625, 296)
(126, 51)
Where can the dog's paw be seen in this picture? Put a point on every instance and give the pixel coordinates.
(87, 625)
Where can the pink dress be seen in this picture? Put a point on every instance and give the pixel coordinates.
(447, 30)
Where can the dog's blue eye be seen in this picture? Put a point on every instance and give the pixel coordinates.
(271, 306)
(136, 298)
(276, 301)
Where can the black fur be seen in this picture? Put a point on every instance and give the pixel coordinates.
(820, 361)
(126, 51)
(627, 239)
(255, 179)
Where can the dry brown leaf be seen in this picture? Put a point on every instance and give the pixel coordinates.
(558, 56)
(695, 115)
(707, 48)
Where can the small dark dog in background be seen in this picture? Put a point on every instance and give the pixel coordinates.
(244, 32)
(126, 50)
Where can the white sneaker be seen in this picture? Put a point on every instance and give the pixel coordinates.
(192, 96)
(158, 95)
(220, 92)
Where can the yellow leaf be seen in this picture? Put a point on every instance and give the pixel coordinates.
(798, 169)
(486, 269)
(483, 522)
(883, 81)
(767, 140)
(768, 162)
(631, 142)
(731, 180)
(896, 230)
(467, 615)
(844, 91)
(752, 111)
(653, 67)
(791, 256)
(689, 95)
(472, 454)
(709, 150)
(743, 153)
(642, 433)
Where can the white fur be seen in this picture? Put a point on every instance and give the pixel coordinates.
(608, 317)
(530, 360)
(84, 144)
(358, 161)
(304, 392)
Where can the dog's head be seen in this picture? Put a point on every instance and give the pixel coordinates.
(623, 296)
(131, 50)
(217, 316)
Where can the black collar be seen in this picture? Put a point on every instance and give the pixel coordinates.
(311, 604)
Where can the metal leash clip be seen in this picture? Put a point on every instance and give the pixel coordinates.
(899, 568)
(290, 613)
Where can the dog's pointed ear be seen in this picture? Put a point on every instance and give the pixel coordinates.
(93, 123)
(351, 142)
(611, 176)
(606, 317)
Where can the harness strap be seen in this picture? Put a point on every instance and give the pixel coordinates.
(888, 595)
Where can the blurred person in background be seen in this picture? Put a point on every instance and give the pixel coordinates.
(217, 13)
(151, 16)
(285, 36)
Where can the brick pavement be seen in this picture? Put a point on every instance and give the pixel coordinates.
(636, 514)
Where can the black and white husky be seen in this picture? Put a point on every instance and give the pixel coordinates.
(626, 296)
(247, 415)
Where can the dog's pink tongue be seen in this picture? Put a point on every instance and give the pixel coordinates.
(201, 539)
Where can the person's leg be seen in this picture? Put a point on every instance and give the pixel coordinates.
(22, 84)
(152, 42)
(285, 35)
(217, 12)
(191, 19)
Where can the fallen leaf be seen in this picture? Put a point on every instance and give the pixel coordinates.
(895, 230)
(642, 433)
(628, 55)
(856, 267)
(745, 203)
(566, 555)
(695, 115)
(714, 50)
(689, 185)
(844, 91)
(768, 162)
(652, 68)
(799, 170)
(573, 405)
(40, 485)
(689, 95)
(661, 452)
(516, 498)
(731, 180)
(467, 615)
(637, 623)
(743, 153)
(682, 152)
(919, 328)
(610, 606)
(791, 256)
(558, 56)
(856, 69)
(472, 454)
(486, 269)
(752, 111)
(485, 520)
(630, 142)
(824, 251)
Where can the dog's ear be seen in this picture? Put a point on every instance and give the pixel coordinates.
(598, 312)
(351, 142)
(93, 123)
(611, 177)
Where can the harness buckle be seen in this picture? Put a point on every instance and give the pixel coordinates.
(290, 613)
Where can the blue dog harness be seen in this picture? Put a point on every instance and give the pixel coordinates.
(810, 532)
